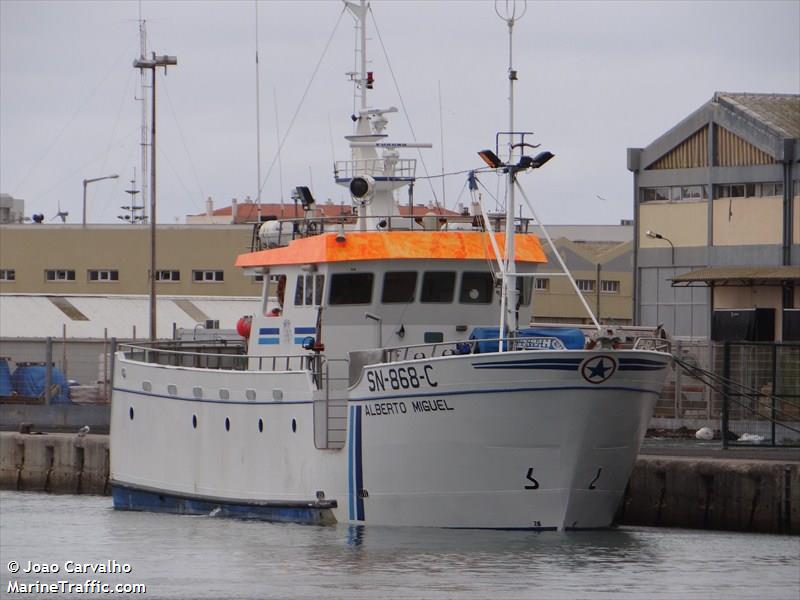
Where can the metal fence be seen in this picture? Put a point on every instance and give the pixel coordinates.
(759, 392)
(84, 364)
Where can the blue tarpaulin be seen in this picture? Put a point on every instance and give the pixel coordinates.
(5, 378)
(533, 338)
(29, 381)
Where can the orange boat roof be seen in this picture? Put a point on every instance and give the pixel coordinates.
(392, 245)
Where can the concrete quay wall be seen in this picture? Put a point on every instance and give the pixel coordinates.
(713, 493)
(54, 462)
(670, 491)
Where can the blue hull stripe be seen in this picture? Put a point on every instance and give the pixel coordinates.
(127, 498)
(350, 472)
(595, 388)
(355, 474)
(522, 366)
(299, 330)
(300, 340)
(269, 331)
(531, 361)
(359, 470)
(268, 341)
(642, 361)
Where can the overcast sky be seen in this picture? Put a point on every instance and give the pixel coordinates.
(594, 79)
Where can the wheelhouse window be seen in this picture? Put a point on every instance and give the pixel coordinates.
(59, 275)
(308, 291)
(351, 288)
(476, 287)
(438, 286)
(168, 275)
(399, 287)
(103, 275)
(274, 307)
(201, 276)
(8, 275)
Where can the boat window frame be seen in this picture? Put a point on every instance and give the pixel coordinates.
(413, 294)
(425, 275)
(332, 287)
(463, 294)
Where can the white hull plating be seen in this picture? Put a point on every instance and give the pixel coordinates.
(534, 439)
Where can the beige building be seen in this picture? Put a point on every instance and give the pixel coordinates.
(717, 213)
(115, 259)
(197, 260)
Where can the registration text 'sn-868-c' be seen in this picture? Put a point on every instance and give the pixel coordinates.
(401, 378)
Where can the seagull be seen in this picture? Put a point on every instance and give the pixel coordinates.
(83, 431)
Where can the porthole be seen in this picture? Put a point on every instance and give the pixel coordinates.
(147, 386)
(224, 394)
(250, 394)
(172, 390)
(227, 424)
(130, 413)
(194, 421)
(294, 426)
(261, 425)
(197, 392)
(124, 373)
(277, 394)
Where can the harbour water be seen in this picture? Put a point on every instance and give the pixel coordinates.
(208, 557)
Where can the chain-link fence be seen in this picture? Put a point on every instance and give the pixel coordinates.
(758, 391)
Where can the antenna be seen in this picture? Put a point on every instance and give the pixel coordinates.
(508, 303)
(258, 128)
(143, 141)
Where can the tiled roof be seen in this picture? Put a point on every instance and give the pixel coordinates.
(779, 112)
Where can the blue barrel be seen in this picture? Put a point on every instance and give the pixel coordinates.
(29, 380)
(5, 377)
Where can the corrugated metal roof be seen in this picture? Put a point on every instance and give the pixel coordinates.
(780, 112)
(37, 316)
(739, 275)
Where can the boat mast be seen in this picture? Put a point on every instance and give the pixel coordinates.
(508, 303)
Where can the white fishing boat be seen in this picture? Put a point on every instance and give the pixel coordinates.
(387, 380)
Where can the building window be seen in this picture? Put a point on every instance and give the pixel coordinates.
(351, 288)
(399, 287)
(59, 275)
(476, 288)
(258, 278)
(207, 276)
(676, 193)
(308, 291)
(748, 190)
(609, 286)
(167, 275)
(542, 284)
(438, 286)
(585, 285)
(8, 275)
(103, 275)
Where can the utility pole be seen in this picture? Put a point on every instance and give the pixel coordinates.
(152, 64)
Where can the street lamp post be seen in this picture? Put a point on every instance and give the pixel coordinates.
(657, 236)
(86, 182)
(152, 64)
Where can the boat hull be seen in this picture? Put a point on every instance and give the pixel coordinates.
(522, 440)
